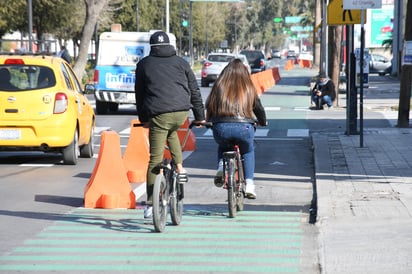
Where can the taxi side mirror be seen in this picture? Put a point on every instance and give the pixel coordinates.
(89, 89)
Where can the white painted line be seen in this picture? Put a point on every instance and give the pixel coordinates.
(261, 132)
(208, 132)
(272, 108)
(302, 109)
(36, 165)
(125, 131)
(98, 130)
(140, 190)
(298, 133)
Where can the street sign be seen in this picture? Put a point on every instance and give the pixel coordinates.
(301, 28)
(293, 19)
(337, 15)
(407, 53)
(362, 4)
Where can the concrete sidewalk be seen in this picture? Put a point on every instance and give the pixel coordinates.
(364, 193)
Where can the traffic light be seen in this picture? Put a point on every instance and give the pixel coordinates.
(184, 23)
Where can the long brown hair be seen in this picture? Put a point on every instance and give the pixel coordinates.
(233, 94)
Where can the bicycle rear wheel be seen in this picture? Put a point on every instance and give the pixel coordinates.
(160, 197)
(231, 188)
(176, 203)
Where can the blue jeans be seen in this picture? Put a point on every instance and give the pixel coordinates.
(243, 135)
(323, 100)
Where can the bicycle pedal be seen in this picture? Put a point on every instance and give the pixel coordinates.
(182, 178)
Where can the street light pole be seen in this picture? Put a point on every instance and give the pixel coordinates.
(167, 16)
(191, 34)
(30, 11)
(137, 15)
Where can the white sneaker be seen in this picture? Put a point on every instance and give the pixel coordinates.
(250, 191)
(148, 212)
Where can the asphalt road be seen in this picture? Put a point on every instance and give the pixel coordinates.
(46, 228)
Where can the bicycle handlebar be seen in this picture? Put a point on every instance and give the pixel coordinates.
(198, 123)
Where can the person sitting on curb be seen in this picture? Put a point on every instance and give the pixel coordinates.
(323, 92)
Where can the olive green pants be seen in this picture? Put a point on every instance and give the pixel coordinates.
(163, 128)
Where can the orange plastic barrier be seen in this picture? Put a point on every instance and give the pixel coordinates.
(276, 74)
(109, 186)
(191, 140)
(137, 153)
(255, 81)
(305, 63)
(265, 79)
(289, 65)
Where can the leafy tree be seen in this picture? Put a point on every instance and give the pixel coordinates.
(93, 10)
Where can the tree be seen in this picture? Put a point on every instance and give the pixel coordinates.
(93, 9)
(406, 76)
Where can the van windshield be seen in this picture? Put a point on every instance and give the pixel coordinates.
(122, 54)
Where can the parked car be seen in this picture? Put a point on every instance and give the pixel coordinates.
(213, 66)
(215, 63)
(44, 108)
(291, 54)
(379, 64)
(276, 53)
(256, 59)
(244, 61)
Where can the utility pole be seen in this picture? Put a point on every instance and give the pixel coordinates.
(30, 13)
(167, 16)
(137, 15)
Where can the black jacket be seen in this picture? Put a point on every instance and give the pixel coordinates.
(258, 110)
(327, 88)
(166, 83)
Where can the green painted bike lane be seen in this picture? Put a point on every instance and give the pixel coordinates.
(118, 240)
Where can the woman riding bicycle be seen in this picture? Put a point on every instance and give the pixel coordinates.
(233, 107)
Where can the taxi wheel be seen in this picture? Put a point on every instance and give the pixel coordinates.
(71, 152)
(87, 151)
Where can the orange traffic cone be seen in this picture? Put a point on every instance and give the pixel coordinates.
(109, 186)
(137, 153)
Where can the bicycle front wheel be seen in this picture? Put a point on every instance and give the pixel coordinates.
(160, 197)
(176, 203)
(231, 189)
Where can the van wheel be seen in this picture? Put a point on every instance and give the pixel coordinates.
(71, 152)
(113, 107)
(101, 107)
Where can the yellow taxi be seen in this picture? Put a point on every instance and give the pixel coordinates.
(44, 108)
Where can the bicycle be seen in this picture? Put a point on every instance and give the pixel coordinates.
(233, 178)
(167, 192)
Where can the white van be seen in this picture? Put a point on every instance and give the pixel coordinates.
(114, 75)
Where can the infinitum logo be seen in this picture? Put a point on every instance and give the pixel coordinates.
(121, 81)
